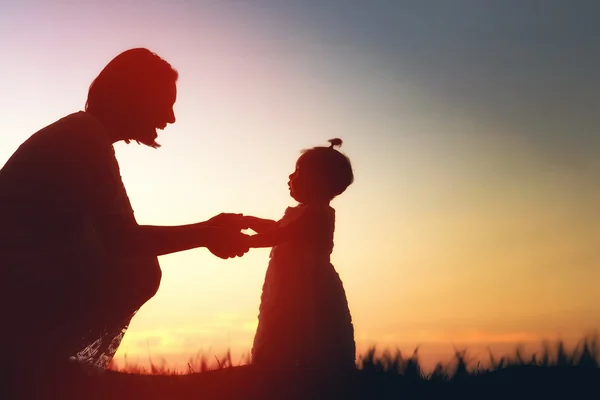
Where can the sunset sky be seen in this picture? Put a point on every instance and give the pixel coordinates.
(472, 127)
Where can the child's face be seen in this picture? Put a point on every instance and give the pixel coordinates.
(304, 184)
(298, 183)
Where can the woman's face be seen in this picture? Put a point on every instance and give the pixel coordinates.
(155, 112)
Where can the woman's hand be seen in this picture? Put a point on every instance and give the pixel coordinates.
(226, 243)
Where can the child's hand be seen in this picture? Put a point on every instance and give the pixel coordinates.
(258, 225)
(249, 222)
(229, 220)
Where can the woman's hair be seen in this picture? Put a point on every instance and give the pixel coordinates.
(128, 78)
(331, 167)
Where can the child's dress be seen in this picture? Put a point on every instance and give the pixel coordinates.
(304, 318)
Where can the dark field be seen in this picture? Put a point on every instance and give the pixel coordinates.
(574, 374)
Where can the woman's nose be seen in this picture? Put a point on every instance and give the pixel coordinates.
(171, 117)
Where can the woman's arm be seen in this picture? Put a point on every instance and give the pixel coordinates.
(88, 174)
(127, 238)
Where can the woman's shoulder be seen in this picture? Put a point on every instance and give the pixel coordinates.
(82, 126)
(78, 132)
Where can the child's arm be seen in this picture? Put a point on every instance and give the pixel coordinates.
(295, 230)
(259, 225)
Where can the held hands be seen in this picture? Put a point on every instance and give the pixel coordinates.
(227, 243)
(226, 240)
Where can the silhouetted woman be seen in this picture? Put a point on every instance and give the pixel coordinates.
(74, 264)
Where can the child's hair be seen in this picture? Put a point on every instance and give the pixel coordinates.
(332, 167)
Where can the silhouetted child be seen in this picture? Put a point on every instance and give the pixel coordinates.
(304, 318)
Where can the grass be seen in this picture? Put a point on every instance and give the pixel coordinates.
(586, 354)
(196, 364)
(380, 375)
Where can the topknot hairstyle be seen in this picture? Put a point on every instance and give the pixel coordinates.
(337, 142)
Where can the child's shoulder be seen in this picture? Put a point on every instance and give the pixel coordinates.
(320, 212)
(318, 208)
(309, 212)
